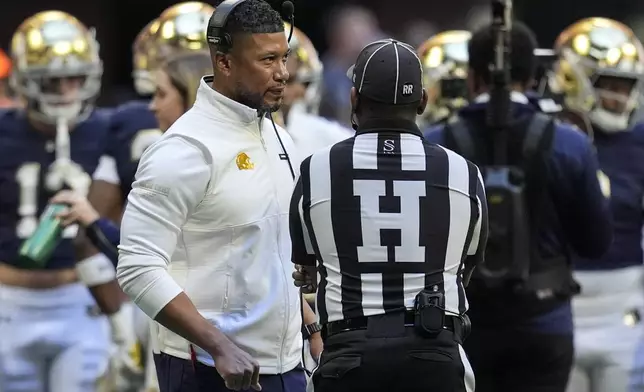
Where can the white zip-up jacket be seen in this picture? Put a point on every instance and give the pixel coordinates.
(208, 215)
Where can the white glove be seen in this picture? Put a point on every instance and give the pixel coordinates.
(127, 361)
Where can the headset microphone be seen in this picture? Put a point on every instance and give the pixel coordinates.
(288, 13)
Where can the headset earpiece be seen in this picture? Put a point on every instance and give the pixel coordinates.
(215, 32)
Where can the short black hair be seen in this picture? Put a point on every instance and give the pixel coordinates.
(522, 59)
(253, 17)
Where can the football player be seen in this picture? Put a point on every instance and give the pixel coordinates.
(299, 111)
(126, 368)
(445, 62)
(599, 72)
(181, 27)
(53, 337)
(177, 81)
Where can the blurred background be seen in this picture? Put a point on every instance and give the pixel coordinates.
(338, 29)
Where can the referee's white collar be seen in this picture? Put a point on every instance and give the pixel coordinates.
(208, 98)
(515, 97)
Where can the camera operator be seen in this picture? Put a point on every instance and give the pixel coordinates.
(543, 198)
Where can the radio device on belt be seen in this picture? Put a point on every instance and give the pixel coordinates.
(430, 317)
(429, 309)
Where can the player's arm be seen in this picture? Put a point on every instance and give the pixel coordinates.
(171, 181)
(96, 269)
(476, 250)
(105, 192)
(105, 236)
(586, 214)
(105, 196)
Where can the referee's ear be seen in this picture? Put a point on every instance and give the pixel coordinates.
(423, 103)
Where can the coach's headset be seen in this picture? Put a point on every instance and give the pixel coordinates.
(217, 35)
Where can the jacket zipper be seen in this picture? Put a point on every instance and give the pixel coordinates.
(285, 279)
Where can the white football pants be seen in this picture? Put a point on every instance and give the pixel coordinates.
(51, 340)
(605, 336)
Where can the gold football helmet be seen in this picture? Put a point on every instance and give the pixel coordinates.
(599, 71)
(142, 59)
(50, 52)
(445, 64)
(308, 70)
(180, 27)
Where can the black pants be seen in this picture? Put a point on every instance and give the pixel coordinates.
(390, 358)
(180, 375)
(507, 360)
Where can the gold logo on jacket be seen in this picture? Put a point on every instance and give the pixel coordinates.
(243, 162)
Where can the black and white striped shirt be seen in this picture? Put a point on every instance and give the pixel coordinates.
(387, 214)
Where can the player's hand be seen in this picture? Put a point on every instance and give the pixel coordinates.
(238, 369)
(127, 359)
(79, 211)
(304, 279)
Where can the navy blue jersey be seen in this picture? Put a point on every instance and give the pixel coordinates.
(133, 129)
(621, 160)
(25, 178)
(581, 218)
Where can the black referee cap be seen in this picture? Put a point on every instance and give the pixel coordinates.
(388, 71)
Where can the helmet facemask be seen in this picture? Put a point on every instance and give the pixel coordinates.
(44, 93)
(616, 99)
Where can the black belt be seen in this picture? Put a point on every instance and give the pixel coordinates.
(452, 323)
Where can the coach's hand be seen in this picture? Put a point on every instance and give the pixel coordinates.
(238, 369)
(304, 279)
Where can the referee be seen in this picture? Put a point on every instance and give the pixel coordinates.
(397, 224)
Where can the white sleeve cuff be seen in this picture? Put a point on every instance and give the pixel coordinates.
(107, 171)
(158, 294)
